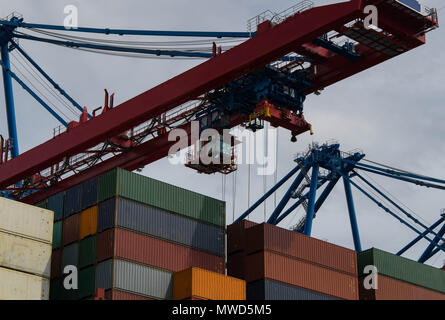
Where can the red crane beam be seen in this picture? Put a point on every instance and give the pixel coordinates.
(266, 47)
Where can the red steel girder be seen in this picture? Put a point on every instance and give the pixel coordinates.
(248, 56)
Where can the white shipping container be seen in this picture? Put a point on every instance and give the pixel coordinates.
(25, 254)
(15, 285)
(26, 220)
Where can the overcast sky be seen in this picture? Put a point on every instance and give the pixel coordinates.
(393, 112)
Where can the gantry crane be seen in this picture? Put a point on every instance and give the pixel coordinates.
(284, 58)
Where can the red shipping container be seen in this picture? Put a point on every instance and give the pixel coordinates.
(236, 235)
(150, 251)
(392, 289)
(269, 265)
(70, 231)
(296, 245)
(56, 263)
(114, 294)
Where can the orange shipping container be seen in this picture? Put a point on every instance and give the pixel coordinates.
(392, 289)
(268, 265)
(88, 222)
(199, 283)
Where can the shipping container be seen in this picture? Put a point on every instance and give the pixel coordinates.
(70, 255)
(272, 266)
(159, 194)
(56, 263)
(25, 220)
(89, 193)
(71, 226)
(134, 278)
(17, 285)
(296, 245)
(72, 201)
(236, 265)
(88, 222)
(195, 282)
(54, 289)
(114, 294)
(392, 289)
(26, 255)
(158, 223)
(57, 235)
(142, 249)
(55, 203)
(105, 245)
(86, 282)
(42, 204)
(61, 293)
(236, 235)
(403, 269)
(273, 290)
(87, 252)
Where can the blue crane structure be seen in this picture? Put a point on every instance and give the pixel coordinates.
(328, 164)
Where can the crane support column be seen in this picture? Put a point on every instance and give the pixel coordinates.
(311, 202)
(352, 215)
(9, 99)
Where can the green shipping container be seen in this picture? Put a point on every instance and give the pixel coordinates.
(86, 282)
(43, 204)
(87, 252)
(159, 194)
(57, 235)
(54, 289)
(403, 269)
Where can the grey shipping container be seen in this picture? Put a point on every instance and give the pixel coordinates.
(72, 202)
(134, 278)
(274, 290)
(70, 255)
(159, 223)
(89, 193)
(55, 203)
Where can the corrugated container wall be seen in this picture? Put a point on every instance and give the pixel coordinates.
(155, 222)
(236, 235)
(392, 289)
(89, 193)
(150, 251)
(72, 202)
(296, 245)
(195, 282)
(87, 252)
(25, 220)
(70, 255)
(88, 222)
(134, 278)
(161, 195)
(26, 255)
(56, 263)
(55, 203)
(17, 285)
(86, 282)
(403, 269)
(114, 294)
(268, 265)
(273, 290)
(71, 229)
(57, 235)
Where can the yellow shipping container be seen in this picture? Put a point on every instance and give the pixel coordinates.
(204, 284)
(88, 222)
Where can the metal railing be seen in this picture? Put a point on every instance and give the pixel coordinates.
(276, 18)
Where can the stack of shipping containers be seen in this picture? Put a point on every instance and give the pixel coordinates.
(399, 278)
(128, 234)
(25, 251)
(280, 264)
